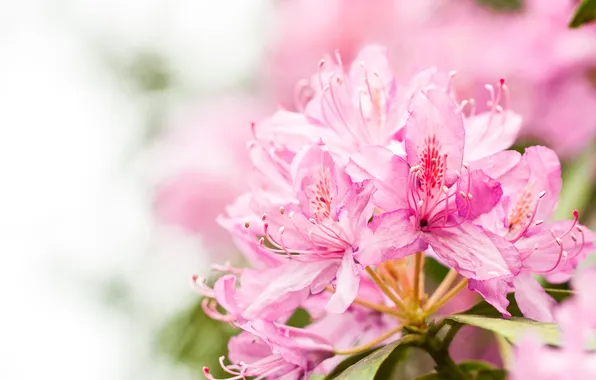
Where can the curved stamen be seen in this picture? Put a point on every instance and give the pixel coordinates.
(209, 306)
(200, 286)
(531, 220)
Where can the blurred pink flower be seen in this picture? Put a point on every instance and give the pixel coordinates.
(548, 65)
(577, 320)
(207, 165)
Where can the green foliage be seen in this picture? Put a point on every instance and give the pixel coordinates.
(348, 362)
(502, 5)
(195, 340)
(299, 319)
(476, 369)
(368, 367)
(512, 329)
(485, 309)
(586, 12)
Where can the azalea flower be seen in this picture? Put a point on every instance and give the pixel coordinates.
(427, 198)
(531, 186)
(269, 350)
(577, 320)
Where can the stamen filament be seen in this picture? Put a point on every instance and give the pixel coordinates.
(385, 289)
(442, 288)
(452, 293)
(418, 279)
(374, 306)
(371, 344)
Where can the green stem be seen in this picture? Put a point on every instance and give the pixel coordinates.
(445, 365)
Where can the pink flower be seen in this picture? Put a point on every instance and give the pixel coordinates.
(194, 190)
(269, 350)
(320, 234)
(577, 320)
(531, 186)
(431, 197)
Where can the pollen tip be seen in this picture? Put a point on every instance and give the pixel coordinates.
(539, 222)
(195, 278)
(206, 370)
(502, 81)
(264, 217)
(282, 229)
(470, 196)
(559, 241)
(463, 195)
(246, 224)
(445, 189)
(575, 214)
(282, 210)
(291, 214)
(542, 194)
(312, 221)
(262, 241)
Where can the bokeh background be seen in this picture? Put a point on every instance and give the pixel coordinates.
(123, 133)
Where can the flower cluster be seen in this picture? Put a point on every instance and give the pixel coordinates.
(349, 196)
(577, 319)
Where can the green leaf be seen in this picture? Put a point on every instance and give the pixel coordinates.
(317, 376)
(193, 339)
(475, 365)
(492, 374)
(300, 318)
(348, 362)
(586, 12)
(486, 309)
(502, 5)
(477, 369)
(367, 368)
(512, 329)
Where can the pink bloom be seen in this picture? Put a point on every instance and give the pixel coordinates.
(320, 235)
(577, 320)
(531, 186)
(431, 196)
(270, 350)
(195, 189)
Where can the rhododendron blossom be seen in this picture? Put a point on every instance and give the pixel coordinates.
(348, 197)
(577, 319)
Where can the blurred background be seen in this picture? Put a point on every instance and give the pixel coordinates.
(124, 127)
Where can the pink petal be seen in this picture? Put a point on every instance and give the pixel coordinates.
(348, 280)
(276, 292)
(545, 176)
(488, 133)
(434, 114)
(393, 237)
(494, 292)
(389, 172)
(486, 193)
(506, 167)
(225, 293)
(532, 300)
(474, 252)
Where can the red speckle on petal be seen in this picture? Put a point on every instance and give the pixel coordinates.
(432, 166)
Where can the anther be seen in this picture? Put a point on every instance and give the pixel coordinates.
(246, 224)
(542, 194)
(282, 210)
(445, 189)
(264, 217)
(539, 222)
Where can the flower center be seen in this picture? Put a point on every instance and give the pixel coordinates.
(321, 197)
